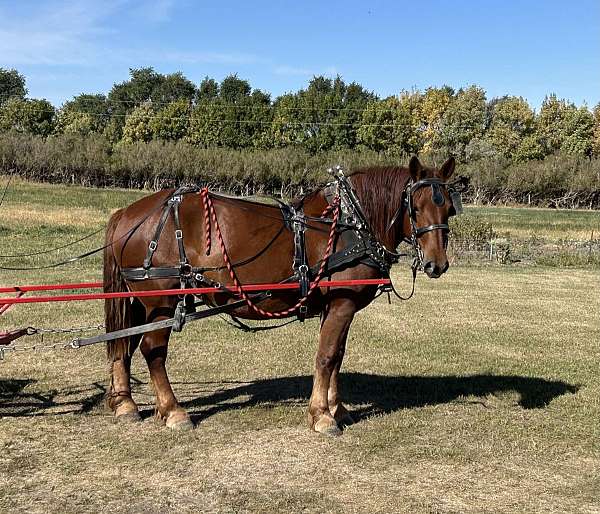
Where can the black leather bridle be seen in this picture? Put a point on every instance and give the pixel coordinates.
(437, 186)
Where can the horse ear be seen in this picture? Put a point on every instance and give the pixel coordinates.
(448, 168)
(415, 168)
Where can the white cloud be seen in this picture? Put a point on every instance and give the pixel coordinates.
(56, 34)
(208, 58)
(304, 72)
(156, 11)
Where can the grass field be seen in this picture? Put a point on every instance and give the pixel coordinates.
(550, 224)
(481, 394)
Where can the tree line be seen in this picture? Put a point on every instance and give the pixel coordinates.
(328, 115)
(156, 129)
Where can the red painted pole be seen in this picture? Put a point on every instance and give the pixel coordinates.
(177, 292)
(51, 287)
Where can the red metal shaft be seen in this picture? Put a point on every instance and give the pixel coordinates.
(51, 287)
(176, 292)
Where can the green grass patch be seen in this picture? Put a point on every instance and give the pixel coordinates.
(531, 222)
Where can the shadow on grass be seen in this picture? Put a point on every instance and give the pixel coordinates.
(377, 394)
(365, 394)
(16, 402)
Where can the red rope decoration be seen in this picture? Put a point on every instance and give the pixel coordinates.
(209, 206)
(204, 194)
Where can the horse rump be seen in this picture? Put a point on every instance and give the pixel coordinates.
(117, 311)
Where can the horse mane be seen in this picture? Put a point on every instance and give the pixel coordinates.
(379, 190)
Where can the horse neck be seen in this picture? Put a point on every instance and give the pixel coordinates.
(380, 192)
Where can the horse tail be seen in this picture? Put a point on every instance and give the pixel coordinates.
(117, 311)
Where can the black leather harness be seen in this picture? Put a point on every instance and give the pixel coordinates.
(360, 243)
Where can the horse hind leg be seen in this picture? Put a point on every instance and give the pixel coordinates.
(334, 330)
(120, 353)
(154, 347)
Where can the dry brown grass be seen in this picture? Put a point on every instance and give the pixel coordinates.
(481, 394)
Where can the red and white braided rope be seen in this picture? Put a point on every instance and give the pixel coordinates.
(210, 214)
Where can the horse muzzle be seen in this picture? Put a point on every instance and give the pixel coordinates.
(434, 270)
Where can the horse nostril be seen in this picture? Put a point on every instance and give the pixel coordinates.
(432, 269)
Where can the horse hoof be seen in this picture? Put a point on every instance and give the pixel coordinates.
(327, 426)
(129, 417)
(182, 426)
(179, 421)
(342, 416)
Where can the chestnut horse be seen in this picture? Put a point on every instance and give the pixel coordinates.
(256, 239)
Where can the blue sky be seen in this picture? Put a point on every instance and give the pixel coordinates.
(528, 48)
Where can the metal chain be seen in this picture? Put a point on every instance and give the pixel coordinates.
(41, 347)
(34, 330)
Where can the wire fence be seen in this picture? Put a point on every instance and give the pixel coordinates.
(508, 250)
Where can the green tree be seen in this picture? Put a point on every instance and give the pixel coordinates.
(172, 122)
(230, 115)
(408, 126)
(287, 128)
(579, 132)
(29, 116)
(326, 115)
(561, 126)
(530, 147)
(12, 85)
(138, 124)
(83, 115)
(434, 104)
(392, 123)
(463, 121)
(208, 90)
(551, 123)
(234, 89)
(510, 121)
(144, 85)
(172, 88)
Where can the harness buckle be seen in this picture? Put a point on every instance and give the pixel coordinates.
(152, 246)
(178, 234)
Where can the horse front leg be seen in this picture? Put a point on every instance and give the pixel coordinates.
(154, 347)
(332, 339)
(336, 407)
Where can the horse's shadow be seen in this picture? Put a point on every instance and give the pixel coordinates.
(16, 401)
(366, 394)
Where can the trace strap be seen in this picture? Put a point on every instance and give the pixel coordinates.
(175, 323)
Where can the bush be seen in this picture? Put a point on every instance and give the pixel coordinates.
(92, 159)
(470, 229)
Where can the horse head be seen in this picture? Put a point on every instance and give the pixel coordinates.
(429, 206)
